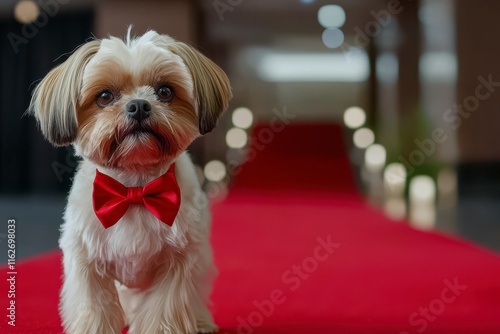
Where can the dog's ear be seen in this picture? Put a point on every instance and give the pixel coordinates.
(212, 89)
(55, 99)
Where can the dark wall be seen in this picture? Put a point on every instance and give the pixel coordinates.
(478, 91)
(478, 62)
(28, 163)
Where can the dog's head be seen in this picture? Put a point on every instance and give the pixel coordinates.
(137, 102)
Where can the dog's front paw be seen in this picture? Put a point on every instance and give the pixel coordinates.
(90, 322)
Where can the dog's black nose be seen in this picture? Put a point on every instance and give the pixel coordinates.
(138, 109)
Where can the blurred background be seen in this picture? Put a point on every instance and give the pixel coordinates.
(415, 86)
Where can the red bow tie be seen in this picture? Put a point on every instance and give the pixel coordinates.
(111, 199)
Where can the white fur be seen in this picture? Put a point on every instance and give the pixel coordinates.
(164, 273)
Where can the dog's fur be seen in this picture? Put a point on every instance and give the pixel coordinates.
(140, 272)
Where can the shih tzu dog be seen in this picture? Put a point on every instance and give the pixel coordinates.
(135, 236)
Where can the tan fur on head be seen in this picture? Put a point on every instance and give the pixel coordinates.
(55, 99)
(65, 102)
(135, 70)
(211, 85)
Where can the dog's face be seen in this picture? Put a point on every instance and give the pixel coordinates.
(131, 104)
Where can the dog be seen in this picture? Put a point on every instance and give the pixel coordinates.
(135, 237)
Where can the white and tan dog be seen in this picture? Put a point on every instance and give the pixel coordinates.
(130, 109)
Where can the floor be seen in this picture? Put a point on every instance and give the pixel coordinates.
(37, 223)
(478, 219)
(38, 220)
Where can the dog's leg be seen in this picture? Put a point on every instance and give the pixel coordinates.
(89, 301)
(205, 275)
(129, 299)
(167, 307)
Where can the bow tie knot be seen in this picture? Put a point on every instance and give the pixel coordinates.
(135, 195)
(111, 199)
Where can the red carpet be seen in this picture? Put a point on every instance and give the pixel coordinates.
(300, 252)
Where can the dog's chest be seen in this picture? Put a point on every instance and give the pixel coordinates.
(138, 272)
(139, 246)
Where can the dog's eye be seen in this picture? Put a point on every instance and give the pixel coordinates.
(104, 98)
(165, 93)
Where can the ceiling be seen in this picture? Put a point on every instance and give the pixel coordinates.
(265, 21)
(257, 21)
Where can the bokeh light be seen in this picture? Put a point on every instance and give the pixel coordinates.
(26, 11)
(354, 117)
(395, 179)
(375, 157)
(215, 171)
(242, 118)
(236, 138)
(363, 138)
(423, 215)
(331, 16)
(333, 38)
(422, 189)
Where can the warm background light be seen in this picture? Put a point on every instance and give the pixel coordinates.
(422, 189)
(395, 179)
(423, 216)
(363, 138)
(422, 207)
(236, 138)
(354, 117)
(26, 11)
(242, 118)
(375, 157)
(215, 171)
